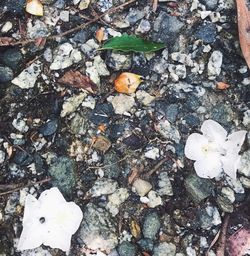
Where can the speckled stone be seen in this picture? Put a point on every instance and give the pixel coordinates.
(151, 225)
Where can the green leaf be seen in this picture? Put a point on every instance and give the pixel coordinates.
(129, 43)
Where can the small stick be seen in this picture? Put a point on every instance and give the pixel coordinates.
(24, 186)
(222, 244)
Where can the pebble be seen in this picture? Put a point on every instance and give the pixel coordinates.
(224, 204)
(23, 158)
(164, 184)
(64, 16)
(116, 199)
(152, 153)
(71, 104)
(19, 124)
(104, 5)
(37, 251)
(15, 6)
(146, 244)
(12, 58)
(209, 217)
(207, 32)
(143, 27)
(210, 4)
(144, 97)
(27, 78)
(214, 64)
(63, 173)
(245, 182)
(177, 72)
(103, 186)
(39, 29)
(89, 48)
(78, 125)
(127, 249)
(164, 249)
(98, 230)
(198, 188)
(49, 127)
(154, 199)
(134, 15)
(122, 103)
(168, 131)
(102, 113)
(65, 56)
(244, 167)
(246, 119)
(142, 187)
(6, 27)
(119, 61)
(166, 28)
(6, 74)
(228, 193)
(102, 143)
(151, 225)
(2, 156)
(84, 4)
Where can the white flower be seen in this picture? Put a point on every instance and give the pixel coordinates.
(50, 220)
(213, 151)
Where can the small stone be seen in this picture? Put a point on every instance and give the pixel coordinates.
(142, 187)
(27, 78)
(164, 249)
(127, 249)
(20, 124)
(143, 27)
(12, 57)
(224, 204)
(151, 225)
(84, 4)
(89, 48)
(122, 103)
(245, 182)
(134, 15)
(164, 184)
(235, 185)
(209, 217)
(102, 114)
(177, 72)
(103, 186)
(153, 153)
(246, 119)
(134, 141)
(78, 125)
(166, 28)
(64, 16)
(119, 61)
(6, 74)
(98, 230)
(190, 251)
(65, 56)
(49, 127)
(214, 64)
(210, 4)
(71, 104)
(154, 199)
(2, 156)
(207, 32)
(144, 97)
(15, 6)
(63, 173)
(198, 188)
(104, 5)
(228, 193)
(168, 131)
(146, 244)
(39, 29)
(102, 143)
(6, 27)
(116, 199)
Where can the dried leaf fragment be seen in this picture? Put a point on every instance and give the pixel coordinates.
(101, 143)
(135, 229)
(100, 35)
(78, 80)
(5, 41)
(244, 28)
(222, 86)
(34, 7)
(127, 82)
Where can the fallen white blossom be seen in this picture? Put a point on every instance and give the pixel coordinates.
(213, 151)
(49, 220)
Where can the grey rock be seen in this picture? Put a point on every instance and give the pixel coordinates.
(59, 4)
(62, 171)
(6, 74)
(222, 113)
(127, 249)
(214, 64)
(207, 32)
(166, 28)
(15, 6)
(89, 48)
(168, 131)
(164, 184)
(146, 244)
(49, 127)
(209, 217)
(12, 57)
(210, 4)
(134, 15)
(246, 119)
(78, 125)
(143, 27)
(104, 5)
(39, 29)
(224, 204)
(164, 249)
(102, 113)
(98, 230)
(119, 61)
(103, 186)
(114, 170)
(198, 188)
(151, 225)
(2, 156)
(81, 37)
(23, 158)
(244, 167)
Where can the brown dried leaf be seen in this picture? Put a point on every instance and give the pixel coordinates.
(239, 242)
(5, 41)
(99, 35)
(244, 28)
(78, 80)
(40, 42)
(135, 229)
(222, 86)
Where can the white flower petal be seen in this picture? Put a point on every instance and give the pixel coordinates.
(55, 238)
(51, 198)
(194, 144)
(208, 168)
(235, 141)
(230, 164)
(214, 131)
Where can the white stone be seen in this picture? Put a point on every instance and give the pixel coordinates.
(6, 27)
(142, 187)
(122, 103)
(244, 167)
(84, 4)
(64, 16)
(144, 97)
(19, 124)
(27, 78)
(39, 29)
(168, 131)
(154, 199)
(246, 118)
(103, 186)
(71, 104)
(2, 156)
(164, 184)
(228, 193)
(153, 153)
(214, 64)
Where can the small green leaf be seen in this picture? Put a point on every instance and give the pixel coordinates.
(129, 43)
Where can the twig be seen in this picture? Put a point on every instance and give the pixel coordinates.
(222, 245)
(24, 186)
(155, 5)
(157, 166)
(80, 27)
(108, 165)
(213, 242)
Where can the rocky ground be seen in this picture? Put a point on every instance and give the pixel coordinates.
(120, 157)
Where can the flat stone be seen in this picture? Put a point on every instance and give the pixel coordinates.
(127, 249)
(198, 188)
(154, 199)
(168, 131)
(164, 184)
(12, 57)
(37, 30)
(102, 113)
(164, 249)
(6, 74)
(209, 217)
(103, 186)
(78, 125)
(244, 167)
(49, 127)
(122, 103)
(214, 64)
(210, 4)
(151, 225)
(119, 61)
(207, 32)
(142, 187)
(2, 156)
